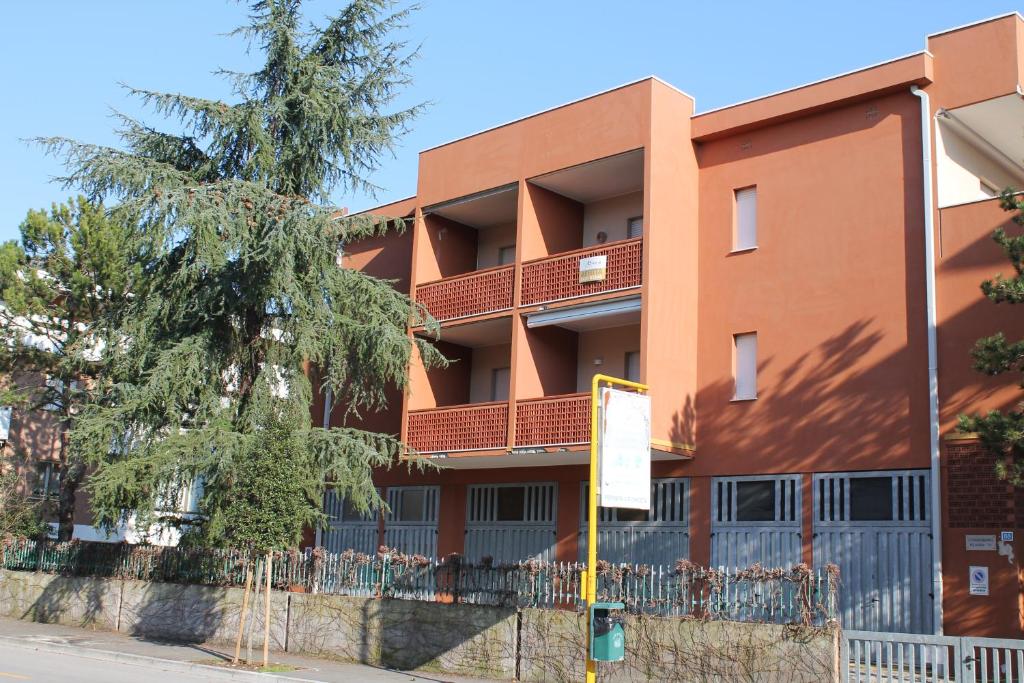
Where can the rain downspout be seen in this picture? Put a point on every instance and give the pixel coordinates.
(933, 361)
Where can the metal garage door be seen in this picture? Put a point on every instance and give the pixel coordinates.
(755, 519)
(347, 529)
(659, 536)
(411, 525)
(876, 527)
(511, 522)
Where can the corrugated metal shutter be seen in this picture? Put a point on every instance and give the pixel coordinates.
(412, 531)
(876, 527)
(491, 532)
(359, 534)
(740, 538)
(661, 539)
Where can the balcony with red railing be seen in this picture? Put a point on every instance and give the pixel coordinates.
(462, 296)
(553, 420)
(473, 427)
(558, 277)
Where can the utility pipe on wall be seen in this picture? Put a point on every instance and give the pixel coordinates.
(933, 355)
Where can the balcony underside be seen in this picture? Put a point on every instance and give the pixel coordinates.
(572, 455)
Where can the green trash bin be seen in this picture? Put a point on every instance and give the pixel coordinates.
(607, 632)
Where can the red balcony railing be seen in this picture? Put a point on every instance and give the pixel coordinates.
(482, 291)
(479, 426)
(558, 277)
(553, 420)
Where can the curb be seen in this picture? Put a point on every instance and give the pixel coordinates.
(143, 660)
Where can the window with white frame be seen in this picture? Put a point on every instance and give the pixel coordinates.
(744, 366)
(745, 219)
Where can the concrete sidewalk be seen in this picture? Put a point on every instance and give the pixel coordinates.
(117, 647)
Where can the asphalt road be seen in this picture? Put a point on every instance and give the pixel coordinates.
(19, 664)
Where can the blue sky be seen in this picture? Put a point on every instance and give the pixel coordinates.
(482, 63)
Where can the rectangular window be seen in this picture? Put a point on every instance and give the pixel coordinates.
(499, 384)
(631, 515)
(745, 220)
(635, 227)
(349, 513)
(506, 255)
(755, 501)
(744, 366)
(511, 503)
(47, 480)
(633, 366)
(412, 505)
(870, 499)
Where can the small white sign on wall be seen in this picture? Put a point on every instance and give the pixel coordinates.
(978, 580)
(981, 541)
(593, 268)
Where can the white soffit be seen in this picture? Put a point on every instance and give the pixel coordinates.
(1000, 121)
(482, 210)
(528, 458)
(592, 316)
(483, 333)
(600, 179)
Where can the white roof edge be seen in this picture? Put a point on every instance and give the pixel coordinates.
(820, 80)
(559, 106)
(975, 23)
(377, 206)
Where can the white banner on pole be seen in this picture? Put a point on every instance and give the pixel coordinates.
(624, 450)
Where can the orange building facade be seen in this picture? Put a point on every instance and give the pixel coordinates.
(765, 269)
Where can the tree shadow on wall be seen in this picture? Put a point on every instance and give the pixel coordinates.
(467, 639)
(827, 409)
(73, 600)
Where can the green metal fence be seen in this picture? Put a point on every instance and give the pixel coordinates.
(798, 595)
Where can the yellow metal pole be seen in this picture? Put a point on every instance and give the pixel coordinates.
(590, 576)
(592, 524)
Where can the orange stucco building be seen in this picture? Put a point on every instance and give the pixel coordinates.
(776, 271)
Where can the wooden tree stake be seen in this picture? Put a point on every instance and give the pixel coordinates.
(266, 616)
(245, 608)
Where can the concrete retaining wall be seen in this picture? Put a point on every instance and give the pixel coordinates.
(535, 645)
(667, 649)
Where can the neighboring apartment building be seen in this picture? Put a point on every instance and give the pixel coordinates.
(766, 274)
(30, 443)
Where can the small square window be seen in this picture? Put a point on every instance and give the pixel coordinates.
(507, 255)
(755, 501)
(870, 499)
(745, 219)
(349, 513)
(411, 505)
(511, 503)
(744, 366)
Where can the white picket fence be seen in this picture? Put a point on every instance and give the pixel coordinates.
(874, 657)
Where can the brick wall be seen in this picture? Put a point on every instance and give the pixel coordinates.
(976, 497)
